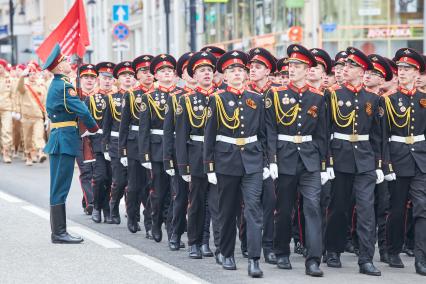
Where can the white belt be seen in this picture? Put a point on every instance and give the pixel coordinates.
(407, 139)
(198, 138)
(100, 131)
(236, 141)
(157, 131)
(114, 133)
(297, 139)
(135, 127)
(351, 137)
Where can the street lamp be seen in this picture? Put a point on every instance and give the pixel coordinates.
(91, 4)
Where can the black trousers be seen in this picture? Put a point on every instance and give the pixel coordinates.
(230, 189)
(137, 192)
(381, 205)
(119, 184)
(342, 187)
(400, 190)
(159, 193)
(207, 219)
(198, 190)
(101, 182)
(309, 186)
(409, 226)
(180, 190)
(86, 174)
(213, 204)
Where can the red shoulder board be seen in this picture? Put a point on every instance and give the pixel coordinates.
(315, 91)
(279, 88)
(176, 92)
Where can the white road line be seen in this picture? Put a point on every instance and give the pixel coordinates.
(164, 269)
(10, 198)
(96, 238)
(37, 211)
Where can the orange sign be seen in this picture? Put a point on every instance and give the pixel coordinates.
(295, 34)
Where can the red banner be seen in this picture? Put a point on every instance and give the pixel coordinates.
(71, 34)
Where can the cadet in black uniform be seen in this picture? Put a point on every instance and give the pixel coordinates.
(138, 176)
(297, 146)
(124, 73)
(357, 156)
(153, 110)
(218, 81)
(191, 115)
(101, 181)
(234, 158)
(405, 127)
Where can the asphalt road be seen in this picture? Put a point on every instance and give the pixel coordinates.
(27, 243)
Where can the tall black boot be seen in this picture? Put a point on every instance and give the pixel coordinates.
(114, 211)
(59, 226)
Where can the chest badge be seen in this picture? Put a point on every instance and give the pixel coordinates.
(251, 103)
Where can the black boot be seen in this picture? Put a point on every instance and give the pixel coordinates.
(369, 269)
(384, 257)
(228, 263)
(283, 262)
(89, 209)
(205, 250)
(59, 226)
(96, 215)
(312, 269)
(333, 260)
(219, 258)
(157, 233)
(254, 269)
(195, 252)
(270, 258)
(395, 261)
(132, 225)
(420, 267)
(174, 243)
(115, 212)
(107, 216)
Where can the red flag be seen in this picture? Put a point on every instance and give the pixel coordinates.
(71, 34)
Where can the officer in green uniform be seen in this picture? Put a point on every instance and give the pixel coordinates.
(63, 108)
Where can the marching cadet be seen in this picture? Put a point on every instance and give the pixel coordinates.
(339, 65)
(392, 84)
(405, 126)
(282, 67)
(153, 111)
(124, 73)
(297, 143)
(356, 129)
(32, 107)
(63, 107)
(261, 64)
(101, 181)
(234, 158)
(137, 176)
(6, 109)
(179, 187)
(218, 81)
(330, 79)
(88, 77)
(191, 114)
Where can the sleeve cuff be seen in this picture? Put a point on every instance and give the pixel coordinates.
(93, 129)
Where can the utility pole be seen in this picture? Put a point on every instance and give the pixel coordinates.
(167, 12)
(193, 25)
(12, 36)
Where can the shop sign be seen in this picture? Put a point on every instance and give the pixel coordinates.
(388, 32)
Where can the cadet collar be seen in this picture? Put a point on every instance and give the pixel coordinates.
(217, 85)
(261, 90)
(146, 89)
(238, 92)
(187, 89)
(204, 91)
(166, 90)
(104, 92)
(296, 89)
(122, 91)
(406, 91)
(87, 94)
(353, 88)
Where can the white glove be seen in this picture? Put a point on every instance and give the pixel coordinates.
(18, 116)
(147, 166)
(186, 178)
(273, 170)
(46, 124)
(266, 173)
(107, 156)
(380, 176)
(212, 178)
(25, 72)
(324, 177)
(14, 115)
(170, 172)
(330, 172)
(390, 177)
(123, 161)
(99, 131)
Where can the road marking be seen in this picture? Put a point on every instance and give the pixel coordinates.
(96, 238)
(164, 269)
(37, 211)
(10, 198)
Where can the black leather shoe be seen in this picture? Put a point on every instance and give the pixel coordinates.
(205, 251)
(254, 269)
(244, 253)
(181, 245)
(369, 269)
(312, 269)
(107, 216)
(195, 252)
(283, 262)
(409, 252)
(58, 225)
(333, 260)
(174, 243)
(420, 267)
(88, 209)
(219, 258)
(228, 263)
(270, 258)
(384, 257)
(96, 216)
(157, 234)
(148, 235)
(349, 247)
(132, 225)
(395, 261)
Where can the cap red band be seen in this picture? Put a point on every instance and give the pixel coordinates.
(125, 69)
(105, 70)
(321, 61)
(55, 62)
(230, 62)
(88, 72)
(379, 68)
(3, 63)
(143, 65)
(163, 64)
(301, 58)
(409, 60)
(358, 60)
(185, 65)
(263, 60)
(202, 62)
(216, 54)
